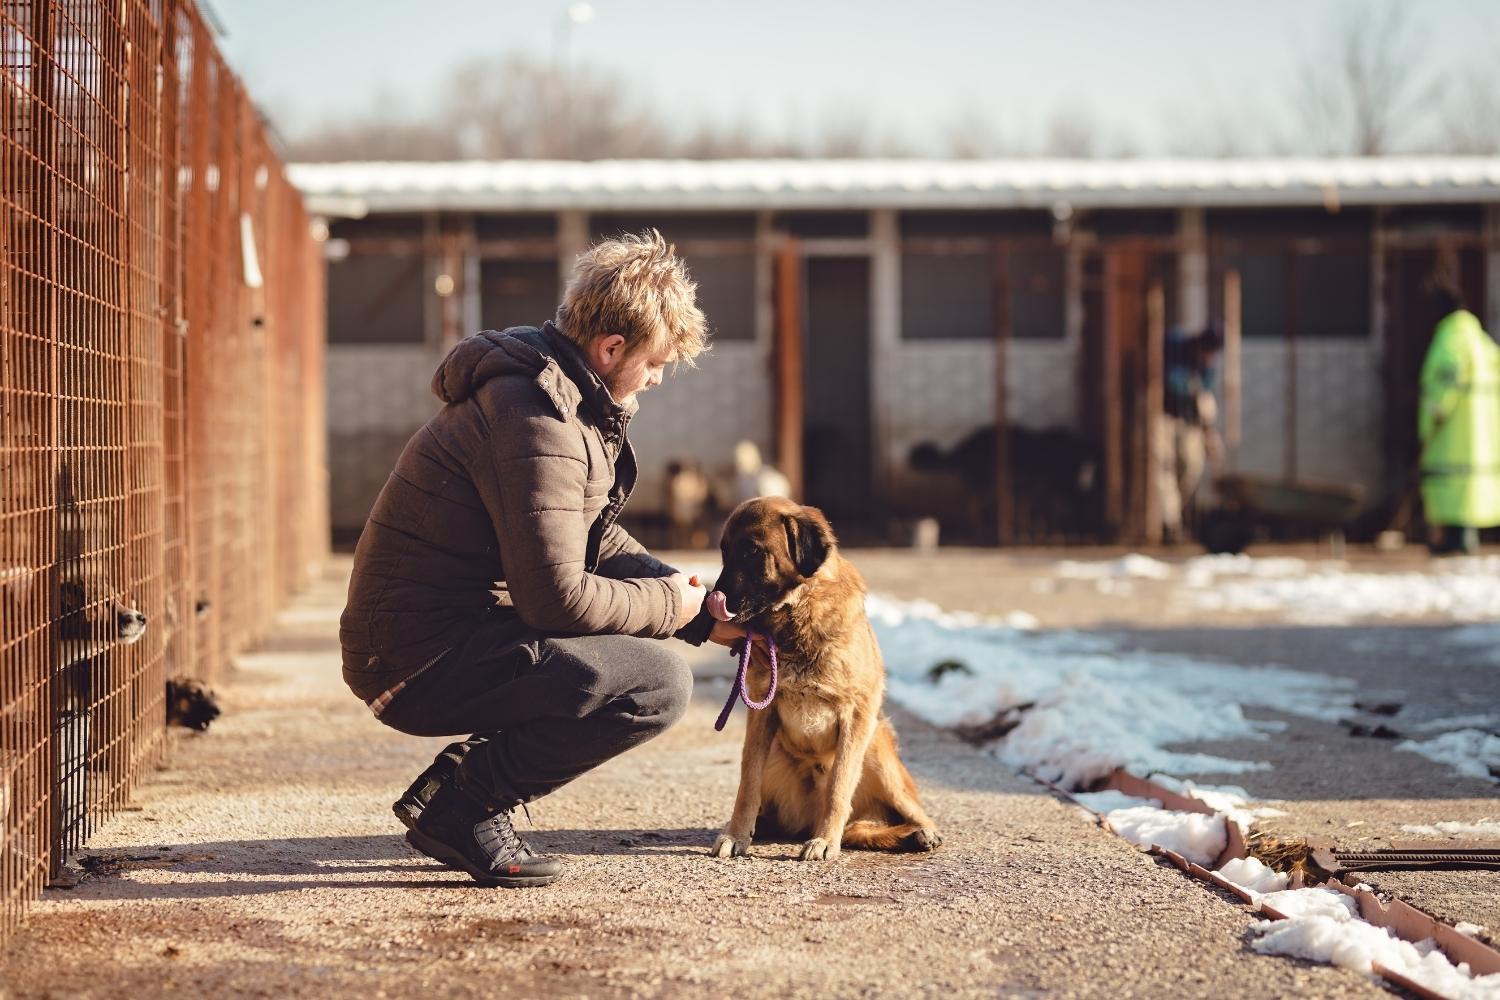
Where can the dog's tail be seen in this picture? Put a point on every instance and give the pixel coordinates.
(873, 835)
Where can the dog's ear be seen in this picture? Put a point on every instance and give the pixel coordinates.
(72, 597)
(808, 539)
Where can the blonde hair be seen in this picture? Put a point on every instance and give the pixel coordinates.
(634, 285)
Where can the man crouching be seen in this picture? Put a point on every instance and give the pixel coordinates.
(494, 592)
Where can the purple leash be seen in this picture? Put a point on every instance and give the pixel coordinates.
(740, 690)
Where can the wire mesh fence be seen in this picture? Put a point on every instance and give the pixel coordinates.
(162, 457)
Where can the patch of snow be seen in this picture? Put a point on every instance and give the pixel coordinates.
(1484, 638)
(1486, 721)
(1483, 828)
(1471, 752)
(1133, 566)
(1231, 800)
(1111, 799)
(1022, 621)
(1096, 707)
(1459, 589)
(1199, 838)
(1203, 571)
(1325, 903)
(1355, 944)
(1254, 875)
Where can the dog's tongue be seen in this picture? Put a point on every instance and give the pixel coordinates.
(717, 606)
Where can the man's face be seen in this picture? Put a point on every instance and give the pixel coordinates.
(626, 375)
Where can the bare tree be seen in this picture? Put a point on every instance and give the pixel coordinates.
(374, 137)
(1470, 122)
(519, 107)
(1363, 86)
(1072, 133)
(976, 133)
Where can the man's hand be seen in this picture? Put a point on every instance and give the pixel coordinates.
(726, 633)
(692, 595)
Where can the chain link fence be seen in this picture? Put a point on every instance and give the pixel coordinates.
(162, 461)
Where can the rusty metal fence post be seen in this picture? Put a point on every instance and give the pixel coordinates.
(162, 479)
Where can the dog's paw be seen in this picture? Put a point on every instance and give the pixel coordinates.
(726, 846)
(819, 849)
(924, 839)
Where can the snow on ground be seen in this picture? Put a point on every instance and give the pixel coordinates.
(1097, 707)
(1230, 801)
(1487, 721)
(1203, 571)
(1110, 799)
(1355, 944)
(1313, 592)
(1457, 589)
(1327, 903)
(1134, 566)
(1252, 875)
(1483, 828)
(1484, 638)
(1196, 836)
(1471, 752)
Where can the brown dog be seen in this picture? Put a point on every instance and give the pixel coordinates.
(822, 759)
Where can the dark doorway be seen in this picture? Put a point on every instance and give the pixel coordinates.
(836, 389)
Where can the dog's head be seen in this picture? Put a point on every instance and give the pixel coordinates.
(111, 619)
(770, 547)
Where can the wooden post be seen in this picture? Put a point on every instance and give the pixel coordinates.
(787, 359)
(1151, 413)
(1233, 317)
(1000, 296)
(450, 290)
(1289, 339)
(1111, 409)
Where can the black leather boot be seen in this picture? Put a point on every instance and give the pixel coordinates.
(463, 831)
(411, 803)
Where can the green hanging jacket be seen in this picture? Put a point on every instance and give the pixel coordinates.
(1459, 425)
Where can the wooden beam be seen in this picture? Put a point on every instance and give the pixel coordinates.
(1151, 413)
(1233, 332)
(787, 360)
(1111, 405)
(1000, 297)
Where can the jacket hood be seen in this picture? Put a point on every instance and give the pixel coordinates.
(552, 361)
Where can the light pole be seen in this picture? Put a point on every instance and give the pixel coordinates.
(578, 13)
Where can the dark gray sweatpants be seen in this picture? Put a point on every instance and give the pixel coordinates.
(544, 709)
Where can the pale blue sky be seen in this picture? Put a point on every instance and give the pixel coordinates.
(1150, 69)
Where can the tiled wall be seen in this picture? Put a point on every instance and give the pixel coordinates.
(1339, 410)
(940, 391)
(377, 397)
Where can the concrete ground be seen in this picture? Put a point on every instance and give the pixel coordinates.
(264, 861)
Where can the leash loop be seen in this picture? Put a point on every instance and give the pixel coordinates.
(740, 690)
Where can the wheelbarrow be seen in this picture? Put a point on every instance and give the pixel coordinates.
(1290, 507)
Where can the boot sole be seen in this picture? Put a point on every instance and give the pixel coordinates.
(441, 852)
(407, 813)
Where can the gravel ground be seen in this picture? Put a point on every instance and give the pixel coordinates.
(264, 861)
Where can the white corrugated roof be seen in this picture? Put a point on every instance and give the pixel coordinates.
(509, 185)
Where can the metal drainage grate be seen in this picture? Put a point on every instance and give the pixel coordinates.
(1333, 861)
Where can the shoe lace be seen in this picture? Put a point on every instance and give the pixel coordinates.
(500, 835)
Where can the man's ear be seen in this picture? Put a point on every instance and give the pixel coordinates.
(610, 351)
(808, 539)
